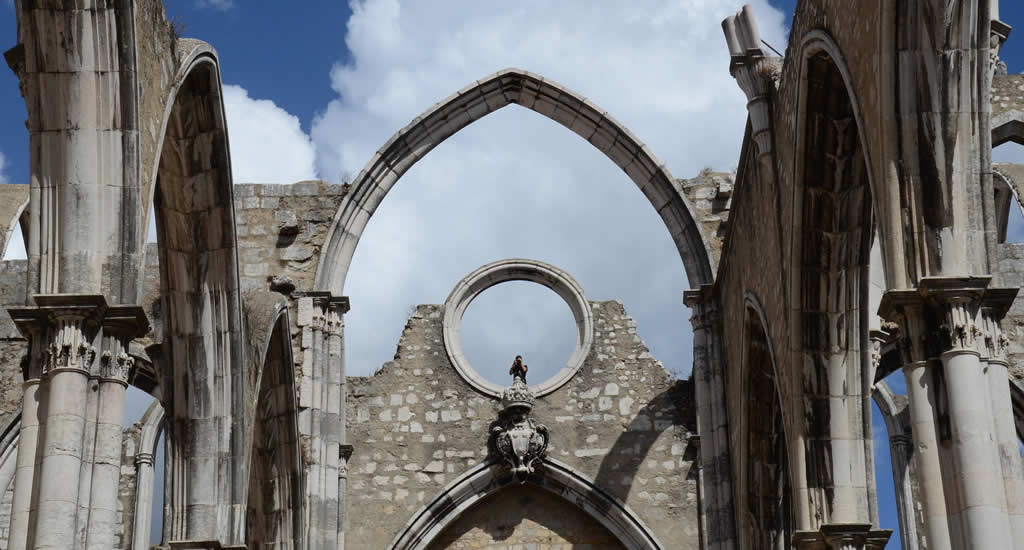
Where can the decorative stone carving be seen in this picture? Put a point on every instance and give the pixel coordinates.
(116, 368)
(516, 439)
(69, 334)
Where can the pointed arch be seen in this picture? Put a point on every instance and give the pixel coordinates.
(765, 503)
(273, 501)
(480, 98)
(835, 219)
(202, 346)
(13, 210)
(556, 477)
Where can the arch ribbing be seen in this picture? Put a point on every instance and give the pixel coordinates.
(556, 477)
(193, 205)
(480, 98)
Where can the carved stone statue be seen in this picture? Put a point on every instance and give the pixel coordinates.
(515, 439)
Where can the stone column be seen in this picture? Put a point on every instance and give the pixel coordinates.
(952, 407)
(983, 503)
(712, 421)
(906, 308)
(321, 411)
(345, 453)
(73, 326)
(317, 469)
(33, 422)
(63, 331)
(144, 493)
(921, 389)
(120, 325)
(899, 448)
(333, 427)
(1001, 410)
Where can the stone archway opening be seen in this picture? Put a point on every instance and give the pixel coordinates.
(768, 513)
(832, 279)
(274, 512)
(525, 516)
(200, 316)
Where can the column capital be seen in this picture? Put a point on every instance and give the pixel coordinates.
(842, 536)
(702, 302)
(901, 440)
(313, 306)
(62, 329)
(144, 458)
(121, 323)
(946, 314)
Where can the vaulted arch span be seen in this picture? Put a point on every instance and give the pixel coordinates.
(202, 345)
(560, 479)
(544, 96)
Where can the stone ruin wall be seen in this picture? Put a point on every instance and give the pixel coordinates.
(281, 229)
(416, 425)
(1011, 273)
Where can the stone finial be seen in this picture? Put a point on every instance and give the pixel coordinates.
(741, 33)
(756, 73)
(516, 440)
(517, 395)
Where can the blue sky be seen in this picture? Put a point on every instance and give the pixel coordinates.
(313, 90)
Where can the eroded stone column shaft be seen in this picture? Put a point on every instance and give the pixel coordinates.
(345, 452)
(1003, 426)
(144, 494)
(121, 324)
(322, 405)
(978, 472)
(33, 413)
(922, 395)
(712, 422)
(899, 448)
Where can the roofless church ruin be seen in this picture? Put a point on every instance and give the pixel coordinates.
(862, 237)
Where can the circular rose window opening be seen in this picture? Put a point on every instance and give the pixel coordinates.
(515, 324)
(518, 318)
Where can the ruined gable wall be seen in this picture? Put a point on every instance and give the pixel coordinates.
(13, 275)
(281, 229)
(417, 425)
(12, 348)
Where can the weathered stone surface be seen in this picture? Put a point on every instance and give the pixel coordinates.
(528, 518)
(621, 421)
(281, 229)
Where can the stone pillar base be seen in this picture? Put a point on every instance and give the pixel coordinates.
(842, 536)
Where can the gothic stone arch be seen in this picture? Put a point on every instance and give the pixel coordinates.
(544, 96)
(274, 503)
(832, 232)
(192, 201)
(557, 478)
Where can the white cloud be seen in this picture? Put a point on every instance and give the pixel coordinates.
(515, 183)
(267, 143)
(220, 5)
(3, 168)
